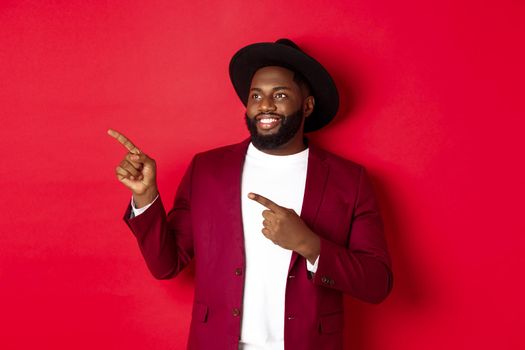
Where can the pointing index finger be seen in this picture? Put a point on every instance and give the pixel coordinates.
(264, 201)
(124, 141)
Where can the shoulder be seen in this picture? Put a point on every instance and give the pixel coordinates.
(221, 153)
(336, 162)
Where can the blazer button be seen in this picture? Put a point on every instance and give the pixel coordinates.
(236, 312)
(324, 279)
(332, 282)
(238, 271)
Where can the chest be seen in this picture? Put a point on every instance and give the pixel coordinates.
(284, 185)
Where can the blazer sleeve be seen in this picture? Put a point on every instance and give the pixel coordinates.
(166, 240)
(363, 267)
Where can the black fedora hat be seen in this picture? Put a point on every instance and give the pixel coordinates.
(287, 54)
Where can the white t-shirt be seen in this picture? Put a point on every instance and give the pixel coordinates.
(281, 179)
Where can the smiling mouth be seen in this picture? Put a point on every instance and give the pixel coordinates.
(268, 122)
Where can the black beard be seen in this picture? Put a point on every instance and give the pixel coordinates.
(290, 125)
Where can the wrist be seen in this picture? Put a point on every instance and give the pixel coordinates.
(143, 199)
(311, 248)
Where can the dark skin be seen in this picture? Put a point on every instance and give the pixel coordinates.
(273, 90)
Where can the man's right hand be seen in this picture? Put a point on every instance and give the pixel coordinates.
(136, 171)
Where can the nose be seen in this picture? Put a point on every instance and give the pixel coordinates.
(267, 105)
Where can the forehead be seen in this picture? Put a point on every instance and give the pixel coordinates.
(272, 75)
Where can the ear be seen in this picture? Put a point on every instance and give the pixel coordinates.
(308, 106)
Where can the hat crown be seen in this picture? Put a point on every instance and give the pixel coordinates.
(288, 42)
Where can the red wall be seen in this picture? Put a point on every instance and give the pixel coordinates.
(432, 104)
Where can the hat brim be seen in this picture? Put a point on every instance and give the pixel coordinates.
(250, 58)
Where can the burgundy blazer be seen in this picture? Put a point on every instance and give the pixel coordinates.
(206, 222)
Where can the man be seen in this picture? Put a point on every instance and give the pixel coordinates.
(279, 228)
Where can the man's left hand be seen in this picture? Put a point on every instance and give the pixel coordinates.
(285, 228)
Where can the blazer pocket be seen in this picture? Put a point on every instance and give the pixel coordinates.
(200, 312)
(332, 323)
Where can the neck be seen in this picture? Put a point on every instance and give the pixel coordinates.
(295, 145)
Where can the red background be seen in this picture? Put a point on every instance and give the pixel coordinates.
(432, 105)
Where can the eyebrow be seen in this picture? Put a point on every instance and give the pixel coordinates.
(274, 89)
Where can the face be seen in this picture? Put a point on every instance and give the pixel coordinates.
(276, 108)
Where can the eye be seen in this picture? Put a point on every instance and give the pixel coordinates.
(255, 96)
(280, 95)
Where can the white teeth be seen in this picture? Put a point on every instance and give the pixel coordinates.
(267, 120)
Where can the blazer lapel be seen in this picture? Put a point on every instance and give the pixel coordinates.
(232, 181)
(316, 177)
